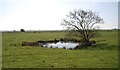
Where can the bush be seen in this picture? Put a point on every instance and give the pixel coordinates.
(64, 47)
(70, 48)
(92, 41)
(22, 30)
(51, 47)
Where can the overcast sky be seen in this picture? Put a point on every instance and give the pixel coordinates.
(47, 14)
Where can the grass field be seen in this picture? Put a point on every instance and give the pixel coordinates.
(105, 55)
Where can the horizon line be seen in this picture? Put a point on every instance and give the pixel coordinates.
(54, 30)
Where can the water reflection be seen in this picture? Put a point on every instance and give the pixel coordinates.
(67, 45)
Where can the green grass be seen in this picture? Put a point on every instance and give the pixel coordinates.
(105, 55)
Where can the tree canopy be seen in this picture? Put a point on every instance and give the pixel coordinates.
(84, 22)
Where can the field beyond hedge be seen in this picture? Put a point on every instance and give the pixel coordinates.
(104, 55)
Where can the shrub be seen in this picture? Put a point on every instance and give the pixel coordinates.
(64, 47)
(22, 30)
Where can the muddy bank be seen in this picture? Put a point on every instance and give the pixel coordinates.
(41, 42)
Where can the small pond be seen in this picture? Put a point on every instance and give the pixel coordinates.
(66, 45)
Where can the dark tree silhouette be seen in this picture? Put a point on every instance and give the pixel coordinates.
(84, 22)
(22, 30)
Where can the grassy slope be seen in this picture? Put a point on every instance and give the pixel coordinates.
(16, 56)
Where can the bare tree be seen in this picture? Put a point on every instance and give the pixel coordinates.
(84, 22)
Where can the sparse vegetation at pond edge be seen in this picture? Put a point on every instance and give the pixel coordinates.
(41, 43)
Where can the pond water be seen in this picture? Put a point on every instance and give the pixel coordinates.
(66, 45)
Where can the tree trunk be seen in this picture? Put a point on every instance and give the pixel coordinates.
(86, 42)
